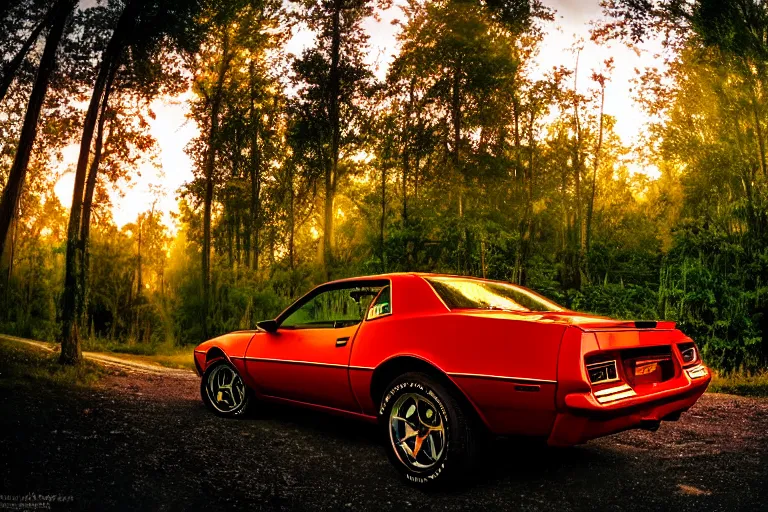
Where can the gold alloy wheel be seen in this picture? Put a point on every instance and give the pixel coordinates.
(225, 388)
(416, 431)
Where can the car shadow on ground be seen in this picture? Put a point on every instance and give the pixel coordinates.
(340, 428)
(502, 458)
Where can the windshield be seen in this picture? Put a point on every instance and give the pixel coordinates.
(462, 293)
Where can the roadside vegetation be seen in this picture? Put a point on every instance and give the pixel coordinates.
(741, 384)
(23, 365)
(167, 354)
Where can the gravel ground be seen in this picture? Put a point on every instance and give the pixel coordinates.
(144, 441)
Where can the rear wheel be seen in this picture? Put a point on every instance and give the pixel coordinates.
(429, 438)
(224, 391)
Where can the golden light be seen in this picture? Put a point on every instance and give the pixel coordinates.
(362, 156)
(314, 232)
(478, 293)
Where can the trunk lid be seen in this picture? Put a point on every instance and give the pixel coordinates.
(593, 323)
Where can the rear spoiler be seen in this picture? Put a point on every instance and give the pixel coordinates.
(639, 324)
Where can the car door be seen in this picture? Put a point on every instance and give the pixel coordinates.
(307, 358)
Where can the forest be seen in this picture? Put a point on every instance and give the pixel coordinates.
(311, 167)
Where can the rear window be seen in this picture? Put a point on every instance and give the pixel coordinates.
(462, 293)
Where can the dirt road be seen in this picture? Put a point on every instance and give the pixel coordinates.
(143, 441)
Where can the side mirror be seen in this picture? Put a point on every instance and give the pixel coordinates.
(267, 325)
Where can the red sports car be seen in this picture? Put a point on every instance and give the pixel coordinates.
(438, 361)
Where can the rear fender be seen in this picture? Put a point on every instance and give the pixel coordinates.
(571, 372)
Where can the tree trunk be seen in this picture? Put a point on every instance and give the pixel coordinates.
(527, 224)
(518, 165)
(236, 228)
(383, 216)
(255, 172)
(139, 284)
(72, 296)
(456, 115)
(594, 171)
(229, 223)
(292, 230)
(11, 256)
(331, 173)
(18, 171)
(247, 220)
(579, 232)
(292, 234)
(760, 139)
(90, 187)
(12, 67)
(482, 258)
(210, 163)
(407, 148)
(456, 154)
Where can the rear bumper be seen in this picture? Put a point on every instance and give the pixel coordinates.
(584, 418)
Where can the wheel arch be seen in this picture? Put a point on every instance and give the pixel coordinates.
(213, 354)
(390, 369)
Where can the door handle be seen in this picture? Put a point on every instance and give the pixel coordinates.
(342, 341)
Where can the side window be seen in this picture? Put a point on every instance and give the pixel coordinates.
(382, 306)
(332, 309)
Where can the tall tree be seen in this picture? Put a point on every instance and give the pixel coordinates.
(600, 79)
(18, 172)
(149, 28)
(236, 91)
(215, 99)
(331, 77)
(466, 65)
(72, 307)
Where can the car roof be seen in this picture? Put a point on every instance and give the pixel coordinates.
(425, 275)
(390, 275)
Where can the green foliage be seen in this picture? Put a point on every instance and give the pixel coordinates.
(26, 366)
(716, 291)
(617, 300)
(741, 384)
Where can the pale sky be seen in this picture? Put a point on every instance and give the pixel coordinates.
(173, 130)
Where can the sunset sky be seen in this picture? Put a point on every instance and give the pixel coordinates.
(173, 130)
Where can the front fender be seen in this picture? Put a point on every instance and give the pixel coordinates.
(232, 346)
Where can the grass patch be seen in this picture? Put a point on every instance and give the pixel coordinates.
(25, 365)
(741, 384)
(169, 356)
(181, 359)
(133, 348)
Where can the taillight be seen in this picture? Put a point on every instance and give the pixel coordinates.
(604, 371)
(688, 352)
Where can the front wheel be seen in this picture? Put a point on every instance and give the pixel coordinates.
(224, 391)
(429, 438)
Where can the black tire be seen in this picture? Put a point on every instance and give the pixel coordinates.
(231, 402)
(446, 457)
